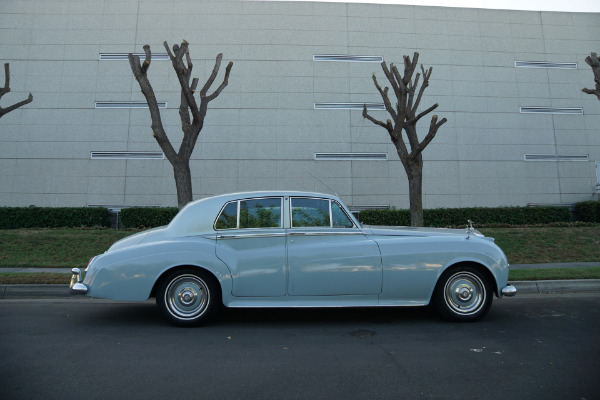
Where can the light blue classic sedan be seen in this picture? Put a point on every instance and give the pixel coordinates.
(295, 249)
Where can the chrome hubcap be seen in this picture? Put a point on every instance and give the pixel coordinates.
(187, 297)
(464, 293)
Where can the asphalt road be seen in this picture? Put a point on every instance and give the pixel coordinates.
(528, 347)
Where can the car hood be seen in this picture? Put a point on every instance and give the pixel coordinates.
(417, 231)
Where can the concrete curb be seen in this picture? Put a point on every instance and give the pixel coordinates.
(558, 286)
(34, 291)
(523, 287)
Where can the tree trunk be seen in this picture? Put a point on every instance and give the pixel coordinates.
(415, 192)
(183, 182)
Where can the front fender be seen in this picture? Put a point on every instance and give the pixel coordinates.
(413, 266)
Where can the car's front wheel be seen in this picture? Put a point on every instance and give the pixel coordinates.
(188, 297)
(463, 294)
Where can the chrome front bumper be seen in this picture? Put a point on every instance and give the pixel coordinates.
(77, 286)
(509, 291)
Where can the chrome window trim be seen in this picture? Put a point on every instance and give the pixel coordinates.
(239, 201)
(330, 214)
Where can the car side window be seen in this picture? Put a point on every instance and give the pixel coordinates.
(260, 213)
(228, 217)
(310, 213)
(339, 217)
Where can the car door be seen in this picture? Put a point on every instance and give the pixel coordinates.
(251, 241)
(327, 254)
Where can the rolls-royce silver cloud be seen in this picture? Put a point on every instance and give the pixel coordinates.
(295, 249)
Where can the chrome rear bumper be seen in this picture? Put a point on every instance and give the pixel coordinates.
(77, 286)
(509, 291)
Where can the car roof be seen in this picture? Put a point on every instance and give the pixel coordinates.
(199, 216)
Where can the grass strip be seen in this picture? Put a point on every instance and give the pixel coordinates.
(550, 274)
(37, 278)
(547, 244)
(58, 248)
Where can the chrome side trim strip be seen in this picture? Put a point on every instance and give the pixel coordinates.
(250, 235)
(320, 233)
(298, 233)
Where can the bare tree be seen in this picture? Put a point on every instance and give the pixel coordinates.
(404, 118)
(594, 61)
(6, 89)
(191, 113)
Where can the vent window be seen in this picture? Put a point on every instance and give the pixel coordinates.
(124, 56)
(127, 155)
(556, 157)
(126, 104)
(349, 106)
(351, 156)
(551, 110)
(346, 58)
(545, 64)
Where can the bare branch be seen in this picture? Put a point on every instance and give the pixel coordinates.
(594, 61)
(413, 121)
(386, 99)
(225, 82)
(409, 67)
(388, 126)
(424, 86)
(158, 130)
(433, 128)
(6, 89)
(148, 59)
(183, 76)
(390, 77)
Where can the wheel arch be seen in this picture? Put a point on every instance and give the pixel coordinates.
(168, 271)
(474, 264)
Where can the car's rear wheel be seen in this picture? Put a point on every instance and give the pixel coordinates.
(188, 297)
(463, 294)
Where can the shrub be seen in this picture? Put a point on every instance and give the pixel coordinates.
(479, 215)
(146, 217)
(52, 217)
(588, 211)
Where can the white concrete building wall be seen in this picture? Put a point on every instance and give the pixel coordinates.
(262, 132)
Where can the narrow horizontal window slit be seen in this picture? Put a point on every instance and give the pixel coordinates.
(545, 64)
(551, 110)
(348, 106)
(125, 56)
(556, 157)
(126, 104)
(346, 58)
(127, 155)
(351, 156)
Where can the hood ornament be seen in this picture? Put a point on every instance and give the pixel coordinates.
(470, 229)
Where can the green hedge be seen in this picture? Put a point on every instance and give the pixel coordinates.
(52, 217)
(588, 211)
(146, 217)
(479, 216)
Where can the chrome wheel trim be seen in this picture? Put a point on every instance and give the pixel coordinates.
(187, 297)
(465, 293)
